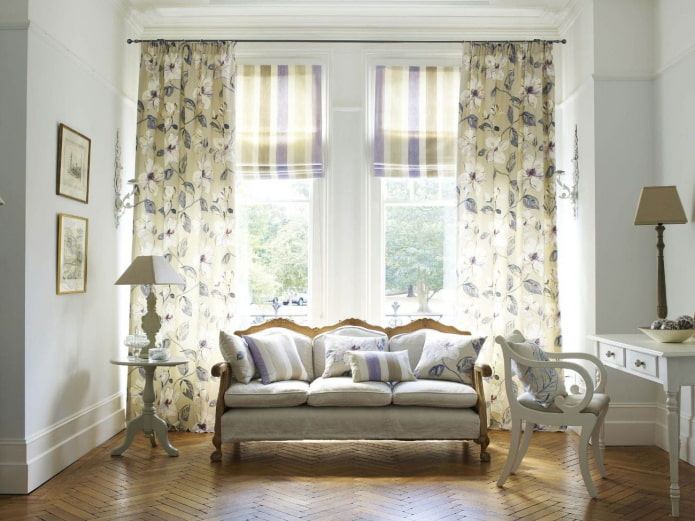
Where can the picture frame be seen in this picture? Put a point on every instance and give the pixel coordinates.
(74, 151)
(71, 271)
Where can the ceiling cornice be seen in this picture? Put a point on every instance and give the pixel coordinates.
(398, 19)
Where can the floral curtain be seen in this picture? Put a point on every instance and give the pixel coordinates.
(506, 208)
(184, 211)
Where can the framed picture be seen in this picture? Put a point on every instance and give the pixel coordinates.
(73, 164)
(72, 254)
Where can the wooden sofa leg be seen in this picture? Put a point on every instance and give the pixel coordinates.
(484, 454)
(217, 454)
(236, 450)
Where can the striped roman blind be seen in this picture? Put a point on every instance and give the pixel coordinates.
(415, 121)
(279, 121)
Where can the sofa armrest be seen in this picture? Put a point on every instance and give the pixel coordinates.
(223, 371)
(479, 372)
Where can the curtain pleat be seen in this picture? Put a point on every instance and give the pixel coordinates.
(507, 265)
(415, 121)
(184, 210)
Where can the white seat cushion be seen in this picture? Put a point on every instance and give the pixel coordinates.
(286, 393)
(435, 393)
(341, 391)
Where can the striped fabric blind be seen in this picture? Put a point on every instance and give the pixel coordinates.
(415, 121)
(279, 121)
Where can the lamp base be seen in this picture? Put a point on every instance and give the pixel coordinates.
(151, 324)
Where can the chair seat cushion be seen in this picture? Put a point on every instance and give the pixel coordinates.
(596, 405)
(341, 391)
(435, 393)
(286, 393)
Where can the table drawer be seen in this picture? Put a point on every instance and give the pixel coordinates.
(611, 354)
(641, 363)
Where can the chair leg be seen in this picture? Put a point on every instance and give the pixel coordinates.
(584, 459)
(525, 442)
(513, 449)
(598, 453)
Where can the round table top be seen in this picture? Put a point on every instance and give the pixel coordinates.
(146, 362)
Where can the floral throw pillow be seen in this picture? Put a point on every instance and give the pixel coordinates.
(338, 346)
(236, 352)
(543, 383)
(447, 356)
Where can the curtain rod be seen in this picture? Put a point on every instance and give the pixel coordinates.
(349, 41)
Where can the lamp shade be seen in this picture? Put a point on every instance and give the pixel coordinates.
(660, 205)
(150, 269)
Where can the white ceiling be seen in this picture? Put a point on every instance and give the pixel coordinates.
(344, 19)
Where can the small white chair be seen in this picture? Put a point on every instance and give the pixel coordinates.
(536, 371)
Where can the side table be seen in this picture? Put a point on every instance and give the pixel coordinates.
(148, 421)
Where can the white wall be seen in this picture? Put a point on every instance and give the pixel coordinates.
(13, 71)
(75, 58)
(674, 134)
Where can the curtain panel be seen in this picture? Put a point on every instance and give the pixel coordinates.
(507, 265)
(280, 123)
(185, 211)
(415, 122)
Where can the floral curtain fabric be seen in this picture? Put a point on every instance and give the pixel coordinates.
(506, 208)
(185, 211)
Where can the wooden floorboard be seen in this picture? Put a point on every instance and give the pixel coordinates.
(353, 481)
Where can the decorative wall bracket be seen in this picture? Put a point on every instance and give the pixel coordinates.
(571, 191)
(121, 203)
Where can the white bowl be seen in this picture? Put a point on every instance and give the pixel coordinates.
(668, 335)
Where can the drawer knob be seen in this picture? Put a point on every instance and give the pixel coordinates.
(610, 354)
(640, 363)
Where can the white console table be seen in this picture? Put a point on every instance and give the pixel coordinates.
(671, 365)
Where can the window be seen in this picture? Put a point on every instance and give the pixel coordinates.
(415, 127)
(279, 155)
(419, 248)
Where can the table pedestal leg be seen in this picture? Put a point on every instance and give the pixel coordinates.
(673, 449)
(148, 421)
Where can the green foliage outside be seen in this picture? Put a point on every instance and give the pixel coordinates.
(278, 244)
(414, 251)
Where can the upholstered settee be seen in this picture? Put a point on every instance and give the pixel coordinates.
(350, 381)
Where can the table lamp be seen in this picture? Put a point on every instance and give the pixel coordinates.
(660, 205)
(150, 270)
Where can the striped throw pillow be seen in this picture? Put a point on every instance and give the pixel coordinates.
(380, 366)
(276, 358)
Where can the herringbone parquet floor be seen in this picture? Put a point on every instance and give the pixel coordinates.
(353, 481)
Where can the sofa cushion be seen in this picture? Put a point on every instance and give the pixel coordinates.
(319, 343)
(276, 357)
(543, 383)
(380, 366)
(446, 356)
(434, 393)
(411, 342)
(341, 391)
(302, 342)
(236, 353)
(288, 393)
(338, 346)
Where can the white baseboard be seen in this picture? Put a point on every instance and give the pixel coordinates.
(631, 424)
(26, 464)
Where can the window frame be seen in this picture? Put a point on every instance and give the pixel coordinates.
(376, 276)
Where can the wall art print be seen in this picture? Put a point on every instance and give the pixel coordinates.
(73, 164)
(71, 275)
